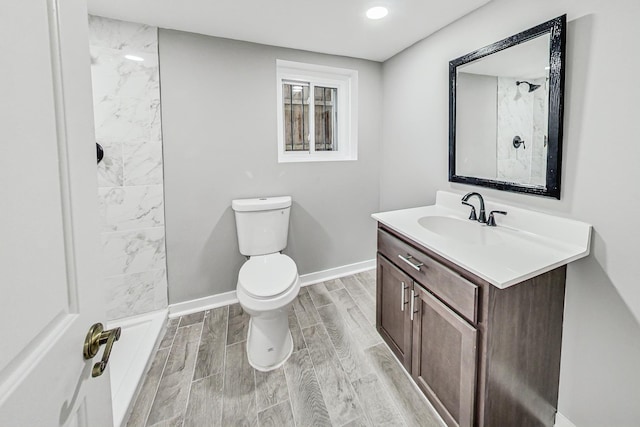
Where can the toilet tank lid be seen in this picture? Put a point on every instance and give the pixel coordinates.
(261, 204)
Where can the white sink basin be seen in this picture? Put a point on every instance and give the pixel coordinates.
(523, 245)
(462, 230)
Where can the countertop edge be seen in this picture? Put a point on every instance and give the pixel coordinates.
(498, 284)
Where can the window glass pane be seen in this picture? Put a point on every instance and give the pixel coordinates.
(326, 119)
(296, 116)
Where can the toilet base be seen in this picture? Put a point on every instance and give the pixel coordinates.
(269, 341)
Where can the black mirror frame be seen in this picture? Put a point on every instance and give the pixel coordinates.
(557, 51)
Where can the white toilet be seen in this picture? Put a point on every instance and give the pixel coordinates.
(268, 282)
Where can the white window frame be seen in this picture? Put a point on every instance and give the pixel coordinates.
(346, 81)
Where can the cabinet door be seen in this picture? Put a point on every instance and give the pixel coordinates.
(392, 309)
(444, 358)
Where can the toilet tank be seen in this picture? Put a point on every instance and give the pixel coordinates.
(262, 224)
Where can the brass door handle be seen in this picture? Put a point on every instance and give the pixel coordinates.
(96, 337)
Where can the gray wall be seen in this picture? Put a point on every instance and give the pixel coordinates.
(477, 108)
(219, 132)
(600, 378)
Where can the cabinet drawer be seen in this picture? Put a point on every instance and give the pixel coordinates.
(459, 293)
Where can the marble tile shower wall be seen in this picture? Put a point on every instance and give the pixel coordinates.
(524, 115)
(126, 102)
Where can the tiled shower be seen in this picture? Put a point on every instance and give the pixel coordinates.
(522, 113)
(126, 101)
(126, 93)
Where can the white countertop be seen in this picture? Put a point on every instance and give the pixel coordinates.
(523, 245)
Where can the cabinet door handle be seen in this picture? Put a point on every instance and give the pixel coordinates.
(403, 288)
(408, 259)
(413, 298)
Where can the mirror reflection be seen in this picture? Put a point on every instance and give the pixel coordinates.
(502, 112)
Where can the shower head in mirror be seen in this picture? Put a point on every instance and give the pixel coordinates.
(532, 86)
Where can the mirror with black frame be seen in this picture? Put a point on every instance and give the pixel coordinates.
(505, 112)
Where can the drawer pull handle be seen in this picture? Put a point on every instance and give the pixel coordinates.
(408, 259)
(402, 301)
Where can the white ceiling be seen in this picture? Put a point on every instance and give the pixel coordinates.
(337, 27)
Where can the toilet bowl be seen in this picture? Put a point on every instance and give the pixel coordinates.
(267, 285)
(268, 281)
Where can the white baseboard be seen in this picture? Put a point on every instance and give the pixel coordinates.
(200, 304)
(562, 421)
(337, 272)
(220, 300)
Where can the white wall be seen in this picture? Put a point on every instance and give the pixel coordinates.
(600, 377)
(219, 131)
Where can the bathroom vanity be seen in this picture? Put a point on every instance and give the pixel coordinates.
(474, 313)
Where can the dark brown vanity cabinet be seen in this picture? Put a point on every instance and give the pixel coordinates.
(483, 356)
(393, 315)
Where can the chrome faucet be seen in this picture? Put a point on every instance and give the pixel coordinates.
(482, 218)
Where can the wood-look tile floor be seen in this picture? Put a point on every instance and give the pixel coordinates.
(341, 373)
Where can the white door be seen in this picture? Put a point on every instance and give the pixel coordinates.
(49, 292)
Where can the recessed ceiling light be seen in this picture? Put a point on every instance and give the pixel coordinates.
(377, 12)
(134, 58)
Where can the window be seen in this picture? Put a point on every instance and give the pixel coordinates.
(317, 112)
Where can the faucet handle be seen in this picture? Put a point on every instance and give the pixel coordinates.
(472, 215)
(491, 221)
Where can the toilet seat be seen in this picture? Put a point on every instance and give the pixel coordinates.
(267, 276)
